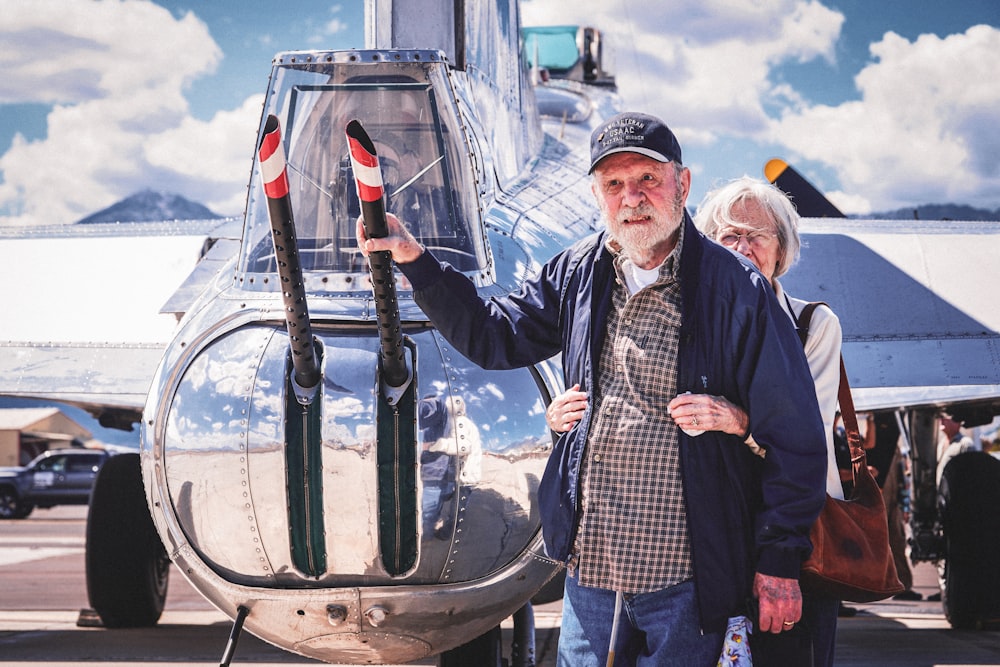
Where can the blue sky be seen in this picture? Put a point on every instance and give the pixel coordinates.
(884, 104)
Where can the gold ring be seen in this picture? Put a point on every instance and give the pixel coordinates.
(788, 623)
(694, 420)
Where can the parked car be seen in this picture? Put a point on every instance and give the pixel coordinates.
(55, 477)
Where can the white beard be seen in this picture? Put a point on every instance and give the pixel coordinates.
(644, 244)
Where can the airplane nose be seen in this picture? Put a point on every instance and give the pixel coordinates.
(225, 491)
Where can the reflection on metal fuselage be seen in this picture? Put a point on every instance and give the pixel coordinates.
(215, 457)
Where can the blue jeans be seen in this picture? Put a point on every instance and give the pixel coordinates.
(658, 629)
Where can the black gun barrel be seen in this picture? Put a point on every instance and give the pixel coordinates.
(371, 193)
(286, 252)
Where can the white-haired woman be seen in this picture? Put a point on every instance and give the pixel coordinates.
(757, 220)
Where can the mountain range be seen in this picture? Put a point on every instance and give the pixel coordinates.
(151, 206)
(936, 212)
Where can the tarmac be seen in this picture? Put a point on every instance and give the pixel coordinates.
(42, 591)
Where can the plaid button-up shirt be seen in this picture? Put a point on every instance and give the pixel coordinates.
(633, 533)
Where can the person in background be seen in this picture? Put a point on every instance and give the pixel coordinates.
(666, 531)
(891, 470)
(953, 443)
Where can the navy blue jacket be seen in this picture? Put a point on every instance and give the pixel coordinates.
(745, 514)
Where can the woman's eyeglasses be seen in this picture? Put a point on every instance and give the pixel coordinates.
(731, 239)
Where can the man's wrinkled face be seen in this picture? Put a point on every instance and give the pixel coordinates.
(643, 203)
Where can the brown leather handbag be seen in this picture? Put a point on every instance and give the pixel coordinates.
(851, 559)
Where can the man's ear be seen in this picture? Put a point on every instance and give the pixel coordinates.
(686, 182)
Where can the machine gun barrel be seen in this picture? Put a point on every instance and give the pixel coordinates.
(371, 193)
(286, 252)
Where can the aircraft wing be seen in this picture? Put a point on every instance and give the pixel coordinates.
(88, 309)
(917, 302)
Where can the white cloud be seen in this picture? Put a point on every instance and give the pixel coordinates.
(334, 27)
(924, 129)
(329, 28)
(210, 157)
(704, 66)
(78, 51)
(116, 73)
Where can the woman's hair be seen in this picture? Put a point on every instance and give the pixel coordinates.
(715, 213)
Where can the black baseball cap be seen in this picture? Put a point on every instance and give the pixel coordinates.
(632, 132)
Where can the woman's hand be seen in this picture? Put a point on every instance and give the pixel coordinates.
(566, 409)
(704, 412)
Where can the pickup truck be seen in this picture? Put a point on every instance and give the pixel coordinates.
(55, 477)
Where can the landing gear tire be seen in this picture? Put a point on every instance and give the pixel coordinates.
(127, 566)
(12, 507)
(969, 494)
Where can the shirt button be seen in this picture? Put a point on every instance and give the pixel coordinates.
(597, 458)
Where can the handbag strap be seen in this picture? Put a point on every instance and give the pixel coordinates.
(848, 415)
(843, 393)
(802, 319)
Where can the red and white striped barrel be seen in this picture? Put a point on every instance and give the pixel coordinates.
(364, 160)
(272, 161)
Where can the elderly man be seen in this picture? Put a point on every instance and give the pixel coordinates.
(676, 527)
